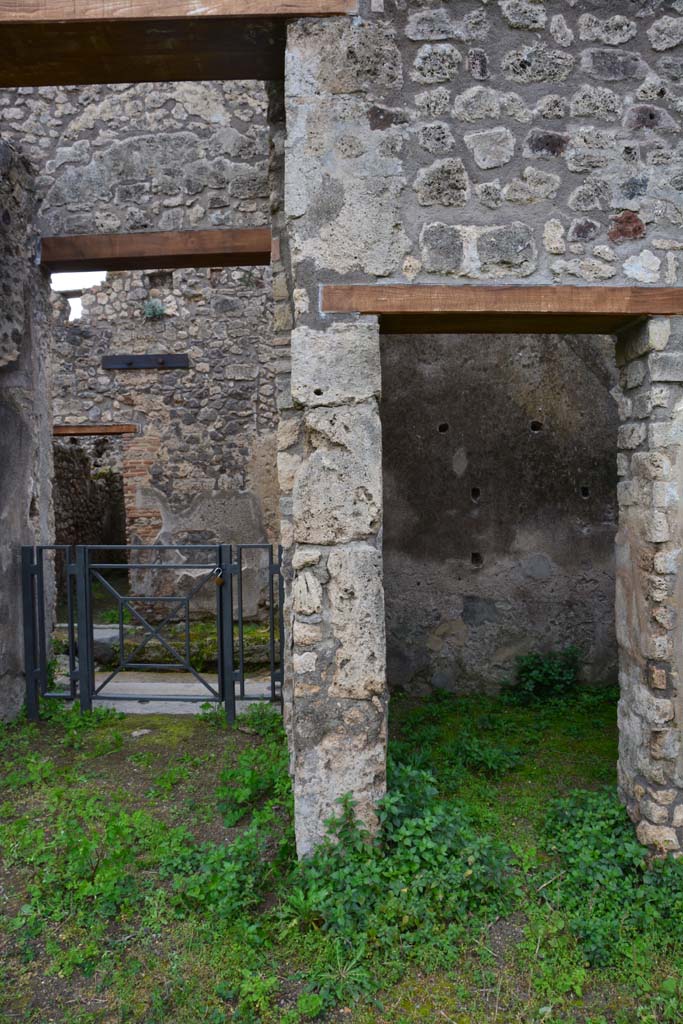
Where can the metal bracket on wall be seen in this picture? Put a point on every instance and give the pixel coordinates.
(166, 361)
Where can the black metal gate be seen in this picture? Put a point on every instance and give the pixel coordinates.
(147, 618)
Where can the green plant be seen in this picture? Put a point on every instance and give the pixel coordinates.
(543, 676)
(613, 898)
(110, 616)
(310, 1005)
(153, 309)
(261, 771)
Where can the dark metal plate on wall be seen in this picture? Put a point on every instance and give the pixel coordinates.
(148, 362)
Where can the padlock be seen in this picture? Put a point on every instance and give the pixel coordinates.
(218, 577)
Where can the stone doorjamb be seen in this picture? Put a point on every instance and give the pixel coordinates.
(330, 466)
(649, 584)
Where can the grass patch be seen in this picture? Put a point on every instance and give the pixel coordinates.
(152, 878)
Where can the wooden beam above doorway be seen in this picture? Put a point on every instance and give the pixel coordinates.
(87, 42)
(93, 429)
(157, 250)
(502, 309)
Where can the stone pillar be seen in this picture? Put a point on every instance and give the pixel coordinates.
(650, 581)
(331, 465)
(25, 413)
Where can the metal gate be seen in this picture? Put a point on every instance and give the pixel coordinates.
(140, 618)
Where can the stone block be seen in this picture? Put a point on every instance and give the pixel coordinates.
(665, 494)
(666, 33)
(444, 183)
(651, 465)
(666, 366)
(631, 435)
(665, 615)
(643, 267)
(665, 434)
(442, 248)
(651, 336)
(306, 634)
(608, 65)
(307, 594)
(338, 489)
(668, 562)
(537, 63)
(656, 711)
(356, 610)
(491, 148)
(508, 249)
(613, 31)
(665, 744)
(436, 62)
(658, 588)
(333, 757)
(288, 431)
(430, 25)
(534, 186)
(654, 812)
(305, 556)
(526, 14)
(337, 366)
(635, 373)
(659, 837)
(304, 664)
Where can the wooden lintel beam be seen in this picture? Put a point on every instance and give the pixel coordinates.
(157, 250)
(502, 309)
(68, 11)
(93, 429)
(86, 42)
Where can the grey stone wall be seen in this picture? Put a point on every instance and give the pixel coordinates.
(88, 500)
(144, 157)
(500, 505)
(163, 157)
(517, 142)
(202, 467)
(25, 420)
(514, 141)
(650, 581)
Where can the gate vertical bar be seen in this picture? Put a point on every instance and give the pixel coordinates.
(69, 571)
(271, 620)
(85, 681)
(240, 620)
(226, 649)
(28, 602)
(281, 619)
(41, 634)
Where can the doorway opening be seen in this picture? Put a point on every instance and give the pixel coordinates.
(499, 531)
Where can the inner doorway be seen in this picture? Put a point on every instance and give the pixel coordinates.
(500, 484)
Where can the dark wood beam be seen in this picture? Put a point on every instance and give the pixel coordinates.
(157, 250)
(502, 309)
(93, 429)
(86, 42)
(18, 11)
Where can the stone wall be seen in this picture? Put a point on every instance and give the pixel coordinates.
(517, 142)
(650, 581)
(144, 157)
(164, 157)
(88, 500)
(25, 420)
(500, 505)
(202, 467)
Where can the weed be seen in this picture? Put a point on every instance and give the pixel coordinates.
(543, 676)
